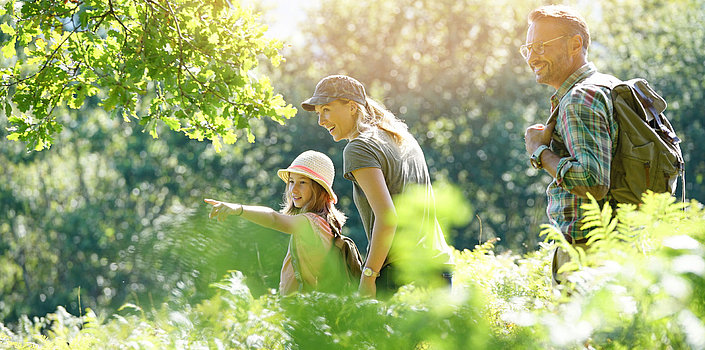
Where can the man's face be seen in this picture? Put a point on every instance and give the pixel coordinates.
(554, 65)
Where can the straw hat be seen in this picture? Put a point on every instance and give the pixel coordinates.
(314, 165)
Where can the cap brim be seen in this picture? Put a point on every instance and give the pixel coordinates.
(311, 103)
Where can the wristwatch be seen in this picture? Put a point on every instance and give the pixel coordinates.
(536, 157)
(368, 272)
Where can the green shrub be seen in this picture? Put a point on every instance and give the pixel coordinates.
(639, 286)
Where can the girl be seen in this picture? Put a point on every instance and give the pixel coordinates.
(309, 215)
(382, 160)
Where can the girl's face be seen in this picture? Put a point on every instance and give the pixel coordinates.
(300, 189)
(338, 117)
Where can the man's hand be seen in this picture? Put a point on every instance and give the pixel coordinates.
(537, 135)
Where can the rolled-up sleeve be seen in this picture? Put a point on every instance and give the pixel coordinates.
(585, 126)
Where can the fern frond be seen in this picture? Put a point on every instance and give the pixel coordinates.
(552, 233)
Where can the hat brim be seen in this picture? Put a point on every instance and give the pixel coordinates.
(284, 175)
(311, 103)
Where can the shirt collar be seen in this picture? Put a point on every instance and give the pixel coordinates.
(583, 72)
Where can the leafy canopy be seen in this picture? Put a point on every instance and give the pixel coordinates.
(190, 64)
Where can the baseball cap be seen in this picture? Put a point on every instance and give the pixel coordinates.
(334, 87)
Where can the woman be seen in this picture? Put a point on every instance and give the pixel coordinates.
(309, 215)
(382, 160)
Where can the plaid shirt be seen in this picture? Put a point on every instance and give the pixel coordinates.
(583, 137)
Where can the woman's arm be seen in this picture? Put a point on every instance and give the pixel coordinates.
(262, 216)
(371, 180)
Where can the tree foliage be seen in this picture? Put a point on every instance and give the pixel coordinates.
(189, 64)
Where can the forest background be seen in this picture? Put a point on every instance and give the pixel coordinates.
(111, 214)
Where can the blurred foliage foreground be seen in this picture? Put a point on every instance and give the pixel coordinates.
(640, 286)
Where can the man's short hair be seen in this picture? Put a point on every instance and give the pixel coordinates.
(566, 16)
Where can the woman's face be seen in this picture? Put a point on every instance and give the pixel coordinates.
(300, 189)
(338, 117)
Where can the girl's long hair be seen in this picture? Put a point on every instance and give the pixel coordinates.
(320, 204)
(375, 115)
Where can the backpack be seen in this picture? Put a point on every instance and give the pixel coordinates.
(351, 258)
(648, 155)
(343, 260)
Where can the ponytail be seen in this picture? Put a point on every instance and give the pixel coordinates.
(375, 115)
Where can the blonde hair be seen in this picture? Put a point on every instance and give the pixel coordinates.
(320, 204)
(375, 115)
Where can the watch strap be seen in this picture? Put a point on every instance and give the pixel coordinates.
(536, 157)
(370, 272)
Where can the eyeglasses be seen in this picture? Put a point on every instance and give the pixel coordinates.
(536, 47)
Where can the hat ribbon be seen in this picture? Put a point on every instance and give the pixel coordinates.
(309, 170)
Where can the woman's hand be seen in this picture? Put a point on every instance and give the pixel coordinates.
(368, 288)
(221, 210)
(372, 182)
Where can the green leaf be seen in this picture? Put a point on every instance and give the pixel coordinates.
(216, 144)
(76, 100)
(153, 132)
(84, 17)
(213, 39)
(172, 123)
(40, 43)
(129, 306)
(7, 29)
(230, 137)
(112, 100)
(9, 49)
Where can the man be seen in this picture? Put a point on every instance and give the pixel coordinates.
(575, 146)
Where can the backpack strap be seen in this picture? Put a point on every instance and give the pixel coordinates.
(683, 185)
(553, 116)
(597, 78)
(295, 255)
(295, 263)
(602, 79)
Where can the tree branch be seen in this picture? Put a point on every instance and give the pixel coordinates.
(46, 63)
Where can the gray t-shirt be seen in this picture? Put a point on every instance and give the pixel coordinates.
(403, 166)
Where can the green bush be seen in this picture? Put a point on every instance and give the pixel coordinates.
(639, 286)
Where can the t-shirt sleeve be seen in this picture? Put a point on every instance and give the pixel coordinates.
(359, 154)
